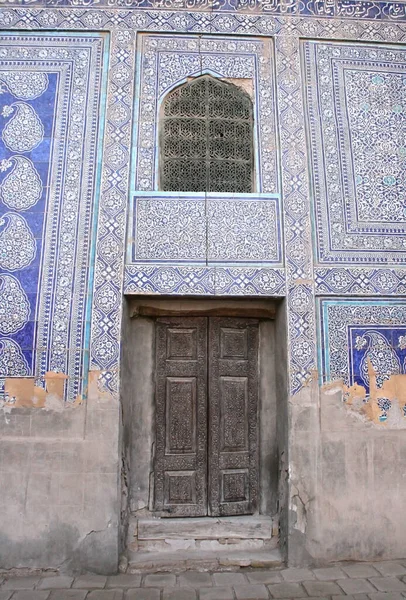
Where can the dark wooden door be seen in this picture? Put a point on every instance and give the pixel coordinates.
(233, 416)
(181, 417)
(206, 455)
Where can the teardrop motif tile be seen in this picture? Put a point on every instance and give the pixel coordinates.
(26, 85)
(24, 131)
(12, 360)
(21, 188)
(14, 305)
(383, 358)
(17, 243)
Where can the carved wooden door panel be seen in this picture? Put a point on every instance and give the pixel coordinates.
(206, 454)
(233, 416)
(181, 417)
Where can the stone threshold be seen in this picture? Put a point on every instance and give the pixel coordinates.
(205, 543)
(206, 528)
(176, 562)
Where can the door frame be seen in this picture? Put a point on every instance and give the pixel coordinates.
(140, 353)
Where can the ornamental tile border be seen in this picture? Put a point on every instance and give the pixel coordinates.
(204, 281)
(327, 9)
(115, 177)
(360, 281)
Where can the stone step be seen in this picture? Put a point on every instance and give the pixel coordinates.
(207, 528)
(176, 562)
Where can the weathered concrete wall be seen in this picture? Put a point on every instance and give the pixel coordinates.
(347, 482)
(59, 475)
(137, 397)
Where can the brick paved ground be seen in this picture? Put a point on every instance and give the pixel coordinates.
(351, 581)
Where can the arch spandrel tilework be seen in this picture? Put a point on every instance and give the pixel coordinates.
(372, 21)
(169, 61)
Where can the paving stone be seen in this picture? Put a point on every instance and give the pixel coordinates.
(5, 595)
(143, 594)
(225, 579)
(297, 574)
(20, 583)
(90, 582)
(123, 581)
(251, 592)
(323, 598)
(30, 595)
(349, 597)
(388, 584)
(194, 579)
(264, 577)
(56, 582)
(321, 588)
(286, 590)
(68, 595)
(360, 570)
(177, 594)
(390, 568)
(356, 586)
(329, 573)
(105, 595)
(216, 593)
(160, 580)
(386, 596)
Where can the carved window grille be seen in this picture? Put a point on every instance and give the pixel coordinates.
(206, 138)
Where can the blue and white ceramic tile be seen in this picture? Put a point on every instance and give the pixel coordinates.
(165, 62)
(353, 332)
(167, 227)
(204, 281)
(52, 274)
(49, 103)
(360, 281)
(356, 112)
(323, 9)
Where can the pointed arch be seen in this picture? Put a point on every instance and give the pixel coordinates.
(206, 138)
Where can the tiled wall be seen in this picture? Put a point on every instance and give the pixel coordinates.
(50, 126)
(82, 83)
(52, 129)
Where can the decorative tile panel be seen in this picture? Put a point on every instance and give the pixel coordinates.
(165, 62)
(50, 100)
(205, 228)
(357, 126)
(353, 330)
(363, 344)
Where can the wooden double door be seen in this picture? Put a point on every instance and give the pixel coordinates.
(206, 451)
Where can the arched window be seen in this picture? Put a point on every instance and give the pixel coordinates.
(206, 138)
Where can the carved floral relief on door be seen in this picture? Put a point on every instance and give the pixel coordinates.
(206, 455)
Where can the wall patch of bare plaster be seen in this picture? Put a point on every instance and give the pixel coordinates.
(98, 391)
(21, 392)
(384, 406)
